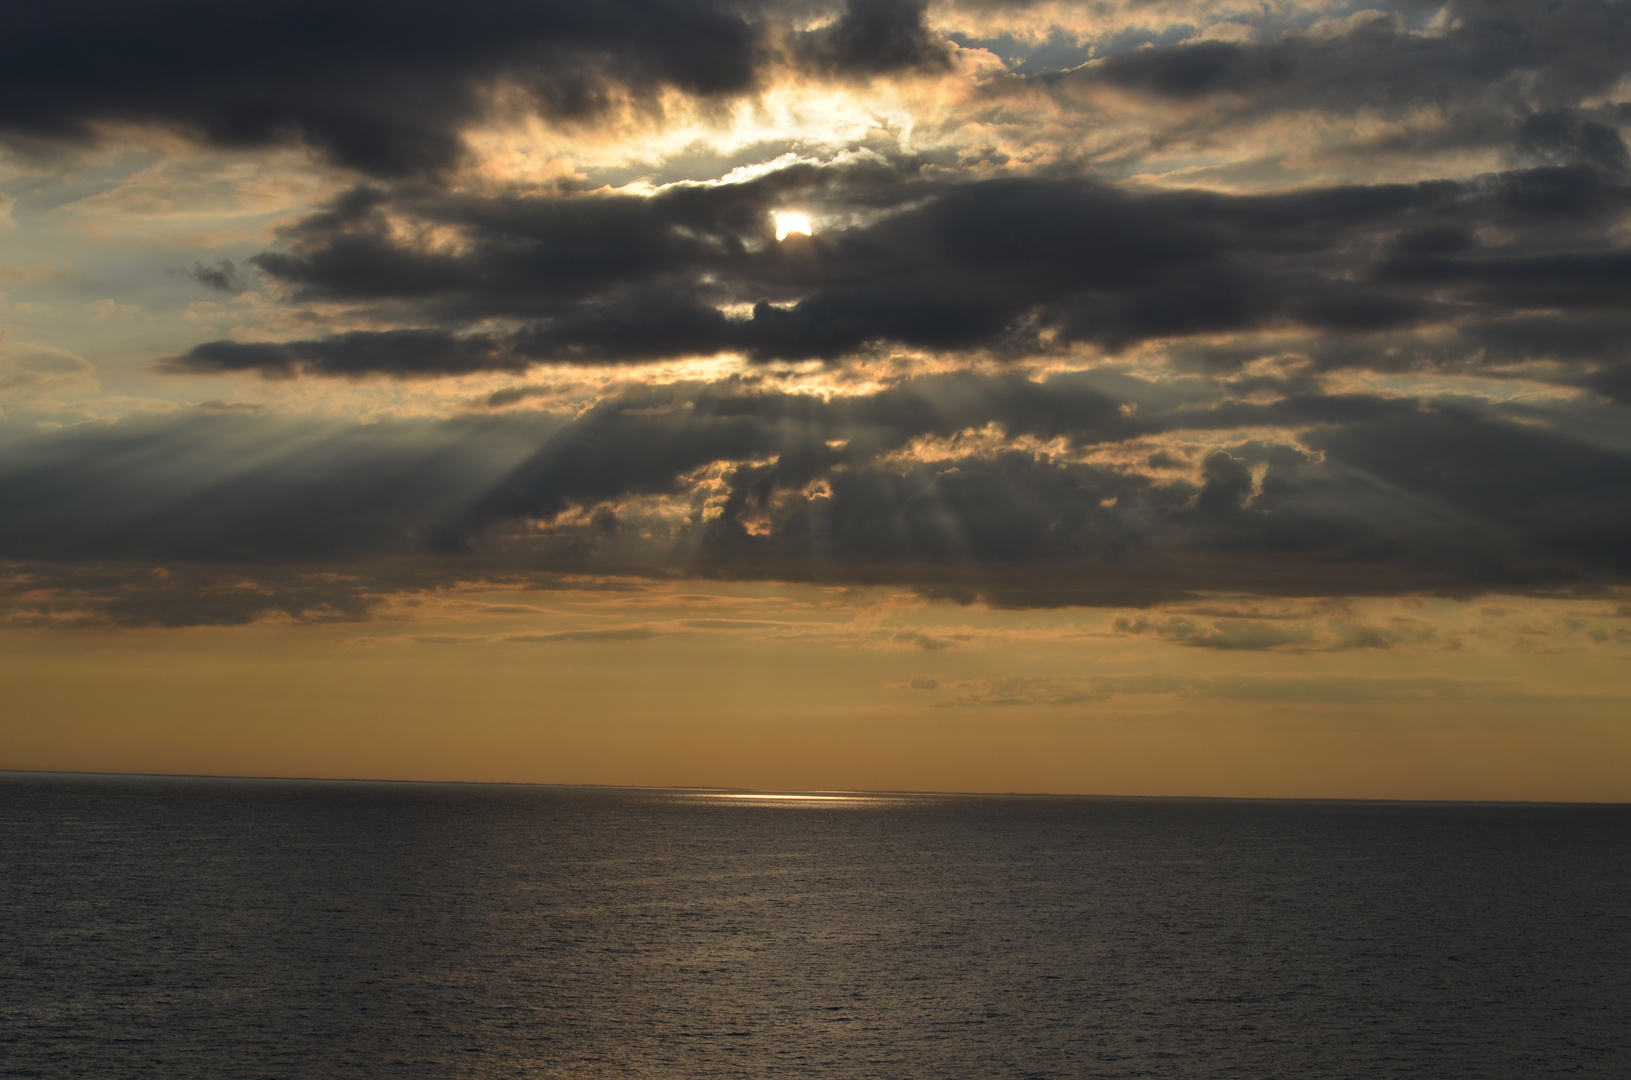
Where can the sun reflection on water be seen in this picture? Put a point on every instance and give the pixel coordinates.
(812, 799)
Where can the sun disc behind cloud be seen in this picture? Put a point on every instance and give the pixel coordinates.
(789, 222)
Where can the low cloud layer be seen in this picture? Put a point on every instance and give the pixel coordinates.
(994, 487)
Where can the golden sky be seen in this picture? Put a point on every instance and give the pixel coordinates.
(1132, 398)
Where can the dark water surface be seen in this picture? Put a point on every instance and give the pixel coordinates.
(249, 928)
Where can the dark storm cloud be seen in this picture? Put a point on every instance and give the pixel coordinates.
(1360, 494)
(907, 254)
(1571, 501)
(1490, 65)
(383, 87)
(1013, 266)
(1579, 280)
(956, 484)
(1612, 381)
(1380, 494)
(401, 352)
(388, 87)
(1585, 349)
(875, 37)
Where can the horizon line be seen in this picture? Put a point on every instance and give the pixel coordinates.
(814, 792)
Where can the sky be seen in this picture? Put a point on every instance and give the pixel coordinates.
(1121, 397)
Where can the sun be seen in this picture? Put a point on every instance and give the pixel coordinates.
(789, 222)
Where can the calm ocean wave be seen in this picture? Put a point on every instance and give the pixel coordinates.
(161, 927)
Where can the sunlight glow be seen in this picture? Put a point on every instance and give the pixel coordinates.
(789, 222)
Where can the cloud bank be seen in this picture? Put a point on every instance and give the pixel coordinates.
(1303, 302)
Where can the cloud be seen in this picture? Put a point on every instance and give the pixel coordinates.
(376, 86)
(390, 90)
(917, 250)
(1298, 306)
(1258, 635)
(1058, 691)
(221, 275)
(874, 37)
(92, 595)
(1481, 64)
(616, 633)
(403, 353)
(1356, 495)
(1395, 491)
(1017, 267)
(38, 376)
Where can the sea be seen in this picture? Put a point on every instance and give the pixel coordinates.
(185, 927)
